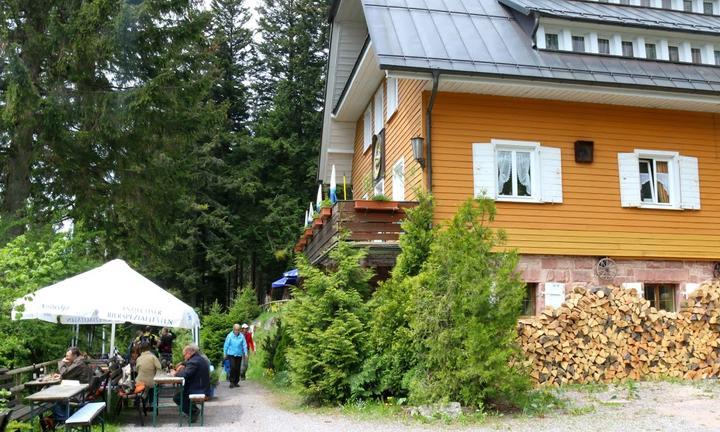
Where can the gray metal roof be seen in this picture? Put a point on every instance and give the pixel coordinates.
(482, 37)
(619, 14)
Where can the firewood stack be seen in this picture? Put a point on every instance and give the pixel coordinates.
(609, 333)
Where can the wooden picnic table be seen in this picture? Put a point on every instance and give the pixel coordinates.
(170, 384)
(58, 393)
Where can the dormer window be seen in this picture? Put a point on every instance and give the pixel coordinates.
(552, 42)
(717, 58)
(651, 51)
(578, 43)
(603, 46)
(696, 56)
(687, 5)
(707, 8)
(627, 49)
(667, 4)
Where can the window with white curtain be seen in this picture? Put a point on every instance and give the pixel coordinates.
(659, 180)
(515, 173)
(655, 181)
(520, 171)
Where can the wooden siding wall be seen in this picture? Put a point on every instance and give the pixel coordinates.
(406, 123)
(590, 221)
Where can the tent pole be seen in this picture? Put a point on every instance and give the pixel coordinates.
(111, 356)
(112, 339)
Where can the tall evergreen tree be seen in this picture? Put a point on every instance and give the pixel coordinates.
(289, 90)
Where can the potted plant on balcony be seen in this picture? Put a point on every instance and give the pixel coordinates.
(317, 220)
(377, 203)
(326, 209)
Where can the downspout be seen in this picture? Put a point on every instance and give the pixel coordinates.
(428, 127)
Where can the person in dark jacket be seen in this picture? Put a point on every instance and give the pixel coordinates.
(72, 367)
(196, 371)
(165, 346)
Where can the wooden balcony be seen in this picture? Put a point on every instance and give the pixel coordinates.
(374, 225)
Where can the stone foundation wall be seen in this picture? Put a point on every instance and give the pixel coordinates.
(579, 271)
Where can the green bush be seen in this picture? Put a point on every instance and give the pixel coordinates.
(465, 308)
(392, 346)
(274, 345)
(216, 324)
(326, 323)
(279, 360)
(245, 307)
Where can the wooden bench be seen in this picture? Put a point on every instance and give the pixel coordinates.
(28, 412)
(84, 418)
(19, 411)
(198, 399)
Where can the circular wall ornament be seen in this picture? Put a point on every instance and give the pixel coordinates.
(606, 269)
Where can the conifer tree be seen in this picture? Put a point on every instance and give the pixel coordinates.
(464, 313)
(325, 322)
(289, 95)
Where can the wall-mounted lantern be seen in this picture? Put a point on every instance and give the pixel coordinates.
(418, 146)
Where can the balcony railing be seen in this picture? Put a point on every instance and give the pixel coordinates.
(375, 225)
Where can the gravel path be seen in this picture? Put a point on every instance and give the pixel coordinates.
(686, 407)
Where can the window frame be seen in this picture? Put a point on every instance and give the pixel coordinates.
(398, 167)
(630, 45)
(379, 187)
(393, 97)
(673, 177)
(655, 302)
(548, 36)
(367, 128)
(514, 146)
(378, 111)
(578, 41)
(530, 299)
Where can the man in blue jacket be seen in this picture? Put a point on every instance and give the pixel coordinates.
(235, 349)
(196, 371)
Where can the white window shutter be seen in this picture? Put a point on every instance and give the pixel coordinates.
(367, 129)
(689, 183)
(378, 111)
(550, 175)
(554, 294)
(629, 168)
(392, 96)
(484, 170)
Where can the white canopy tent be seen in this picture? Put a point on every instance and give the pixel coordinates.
(110, 294)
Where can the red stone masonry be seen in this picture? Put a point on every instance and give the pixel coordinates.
(579, 271)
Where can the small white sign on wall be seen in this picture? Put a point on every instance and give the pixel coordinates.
(689, 288)
(637, 285)
(554, 294)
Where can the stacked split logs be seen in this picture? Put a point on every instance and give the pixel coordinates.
(610, 333)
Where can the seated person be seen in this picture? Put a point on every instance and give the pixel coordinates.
(196, 371)
(72, 367)
(147, 365)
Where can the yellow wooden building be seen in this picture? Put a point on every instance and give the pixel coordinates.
(593, 125)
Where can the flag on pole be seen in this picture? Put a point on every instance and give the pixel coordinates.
(318, 201)
(310, 214)
(333, 186)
